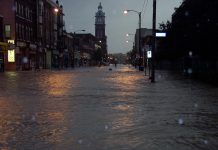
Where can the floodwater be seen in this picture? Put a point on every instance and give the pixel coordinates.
(98, 109)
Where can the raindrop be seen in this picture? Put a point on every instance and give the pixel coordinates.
(186, 13)
(80, 141)
(33, 118)
(13, 8)
(106, 127)
(205, 142)
(190, 53)
(189, 71)
(25, 60)
(196, 105)
(114, 12)
(159, 76)
(71, 27)
(181, 121)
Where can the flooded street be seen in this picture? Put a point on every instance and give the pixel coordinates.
(98, 109)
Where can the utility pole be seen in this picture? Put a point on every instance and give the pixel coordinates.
(153, 43)
(140, 48)
(73, 61)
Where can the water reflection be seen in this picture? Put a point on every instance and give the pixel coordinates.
(100, 109)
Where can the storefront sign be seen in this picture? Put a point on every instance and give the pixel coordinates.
(11, 56)
(149, 54)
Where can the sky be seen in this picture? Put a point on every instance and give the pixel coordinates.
(80, 15)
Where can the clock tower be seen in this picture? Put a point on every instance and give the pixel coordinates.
(100, 29)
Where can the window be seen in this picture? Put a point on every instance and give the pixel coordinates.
(17, 30)
(30, 14)
(7, 31)
(26, 13)
(22, 32)
(21, 10)
(16, 7)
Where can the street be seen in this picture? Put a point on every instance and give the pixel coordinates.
(98, 109)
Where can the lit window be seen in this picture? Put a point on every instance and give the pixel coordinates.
(7, 31)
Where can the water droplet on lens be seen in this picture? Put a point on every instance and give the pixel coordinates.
(33, 118)
(80, 141)
(106, 127)
(205, 142)
(186, 13)
(189, 71)
(180, 121)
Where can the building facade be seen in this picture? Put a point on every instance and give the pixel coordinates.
(85, 48)
(100, 29)
(35, 27)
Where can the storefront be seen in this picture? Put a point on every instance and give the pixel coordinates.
(3, 50)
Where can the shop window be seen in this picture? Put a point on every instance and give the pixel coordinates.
(7, 31)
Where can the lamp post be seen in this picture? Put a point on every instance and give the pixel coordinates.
(54, 59)
(128, 34)
(140, 51)
(74, 38)
(153, 43)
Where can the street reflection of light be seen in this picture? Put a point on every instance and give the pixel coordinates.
(57, 85)
(122, 123)
(122, 107)
(11, 74)
(53, 133)
(8, 122)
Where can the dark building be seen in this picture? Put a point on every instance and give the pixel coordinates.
(1, 28)
(1, 45)
(191, 39)
(68, 54)
(36, 28)
(85, 47)
(19, 28)
(100, 29)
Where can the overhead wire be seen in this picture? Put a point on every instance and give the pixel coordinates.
(145, 4)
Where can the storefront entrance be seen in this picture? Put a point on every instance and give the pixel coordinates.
(1, 62)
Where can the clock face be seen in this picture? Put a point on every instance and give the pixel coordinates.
(100, 20)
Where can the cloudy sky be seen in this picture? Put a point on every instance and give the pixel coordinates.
(80, 14)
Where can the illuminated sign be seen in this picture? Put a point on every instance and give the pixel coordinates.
(11, 56)
(11, 44)
(149, 54)
(161, 34)
(11, 41)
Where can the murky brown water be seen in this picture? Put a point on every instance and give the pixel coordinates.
(98, 109)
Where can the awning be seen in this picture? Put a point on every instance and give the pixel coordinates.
(3, 47)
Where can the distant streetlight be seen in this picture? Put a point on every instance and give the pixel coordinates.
(127, 41)
(74, 36)
(56, 10)
(128, 34)
(125, 11)
(140, 50)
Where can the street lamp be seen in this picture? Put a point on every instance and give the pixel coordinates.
(129, 41)
(128, 34)
(56, 10)
(74, 36)
(140, 51)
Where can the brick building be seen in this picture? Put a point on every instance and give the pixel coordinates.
(36, 28)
